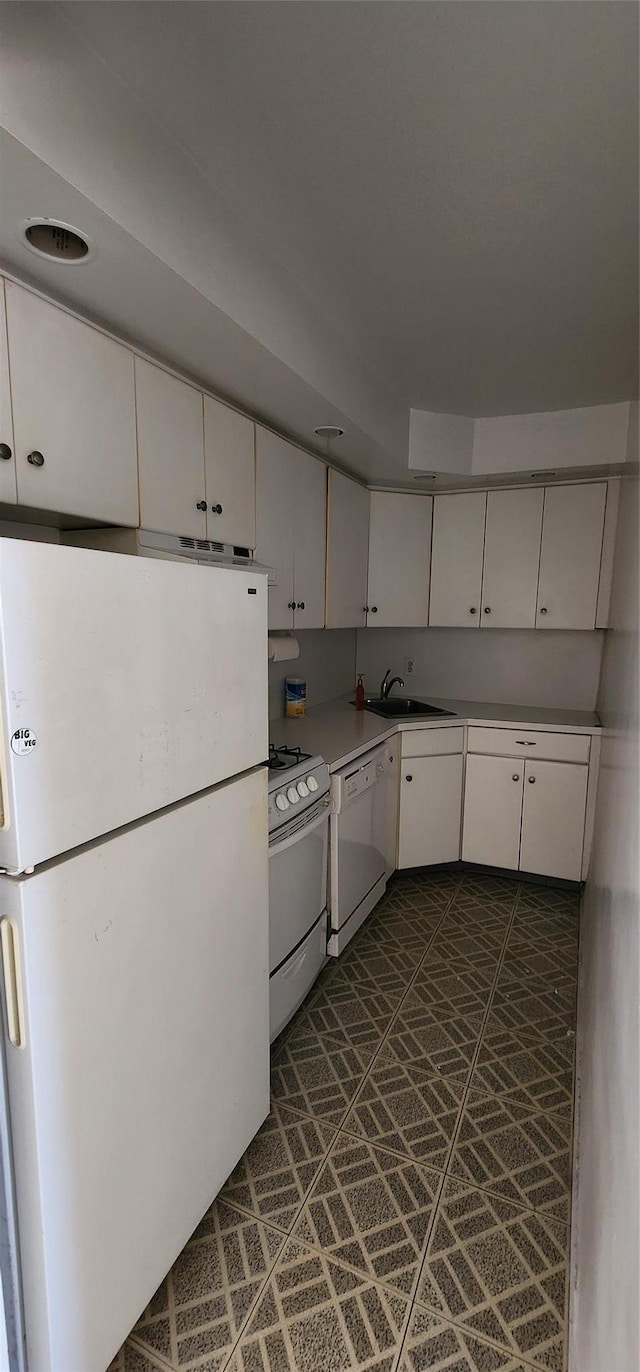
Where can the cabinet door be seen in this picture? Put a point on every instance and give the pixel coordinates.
(430, 800)
(170, 453)
(555, 798)
(7, 454)
(399, 557)
(347, 550)
(229, 459)
(513, 532)
(275, 503)
(572, 530)
(310, 541)
(492, 810)
(72, 390)
(456, 559)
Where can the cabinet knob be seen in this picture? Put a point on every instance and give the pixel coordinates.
(487, 609)
(374, 609)
(35, 458)
(5, 452)
(201, 504)
(543, 611)
(300, 605)
(409, 778)
(473, 610)
(531, 780)
(291, 604)
(365, 609)
(515, 777)
(216, 509)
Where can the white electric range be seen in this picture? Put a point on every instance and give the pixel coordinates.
(299, 803)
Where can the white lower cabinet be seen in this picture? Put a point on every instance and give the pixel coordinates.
(430, 803)
(553, 819)
(527, 816)
(492, 810)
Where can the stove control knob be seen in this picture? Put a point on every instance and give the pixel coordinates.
(281, 801)
(312, 783)
(292, 795)
(303, 789)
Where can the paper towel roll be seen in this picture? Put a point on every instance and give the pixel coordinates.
(283, 648)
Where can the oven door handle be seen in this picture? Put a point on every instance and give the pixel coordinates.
(302, 832)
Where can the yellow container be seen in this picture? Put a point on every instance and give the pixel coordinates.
(295, 697)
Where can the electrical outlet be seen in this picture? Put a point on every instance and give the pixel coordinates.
(407, 666)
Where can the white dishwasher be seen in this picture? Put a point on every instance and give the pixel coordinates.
(361, 840)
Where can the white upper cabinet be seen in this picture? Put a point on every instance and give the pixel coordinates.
(511, 557)
(8, 493)
(72, 391)
(456, 559)
(275, 504)
(170, 453)
(399, 560)
(572, 533)
(229, 457)
(290, 527)
(347, 552)
(309, 541)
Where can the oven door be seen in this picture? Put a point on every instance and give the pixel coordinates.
(297, 880)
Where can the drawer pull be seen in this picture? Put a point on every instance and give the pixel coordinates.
(526, 742)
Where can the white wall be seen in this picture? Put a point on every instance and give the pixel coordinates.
(327, 661)
(604, 1319)
(591, 436)
(440, 442)
(562, 438)
(509, 666)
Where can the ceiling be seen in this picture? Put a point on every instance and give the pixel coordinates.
(331, 212)
(455, 184)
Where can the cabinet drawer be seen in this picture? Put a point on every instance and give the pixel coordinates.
(428, 742)
(529, 743)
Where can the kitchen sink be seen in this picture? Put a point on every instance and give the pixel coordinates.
(403, 707)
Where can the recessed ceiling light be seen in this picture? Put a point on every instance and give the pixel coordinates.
(56, 241)
(328, 431)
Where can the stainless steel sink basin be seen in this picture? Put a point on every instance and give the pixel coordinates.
(402, 707)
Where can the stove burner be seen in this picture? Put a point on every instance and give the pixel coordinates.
(280, 759)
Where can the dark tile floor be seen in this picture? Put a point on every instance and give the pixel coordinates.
(406, 1204)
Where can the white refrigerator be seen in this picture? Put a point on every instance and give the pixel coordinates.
(133, 923)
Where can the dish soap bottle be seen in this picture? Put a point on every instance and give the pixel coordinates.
(360, 692)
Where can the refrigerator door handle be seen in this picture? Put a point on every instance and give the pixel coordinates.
(10, 941)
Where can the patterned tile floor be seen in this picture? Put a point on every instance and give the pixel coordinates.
(406, 1204)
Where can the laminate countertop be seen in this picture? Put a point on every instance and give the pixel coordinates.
(340, 733)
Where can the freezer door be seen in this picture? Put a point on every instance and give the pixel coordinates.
(143, 1070)
(125, 684)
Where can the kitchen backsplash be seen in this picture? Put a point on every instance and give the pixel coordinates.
(509, 666)
(327, 661)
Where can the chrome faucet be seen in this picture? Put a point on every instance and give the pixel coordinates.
(385, 684)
